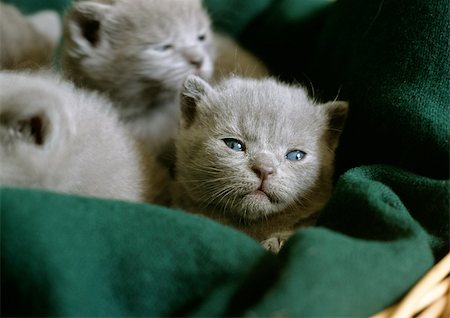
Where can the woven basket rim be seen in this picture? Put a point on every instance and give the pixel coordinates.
(430, 297)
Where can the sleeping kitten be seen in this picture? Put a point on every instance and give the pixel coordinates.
(256, 155)
(139, 52)
(27, 41)
(57, 137)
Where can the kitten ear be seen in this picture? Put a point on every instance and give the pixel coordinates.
(84, 21)
(30, 128)
(47, 23)
(194, 89)
(337, 115)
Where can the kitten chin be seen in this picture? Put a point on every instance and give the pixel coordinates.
(56, 137)
(255, 154)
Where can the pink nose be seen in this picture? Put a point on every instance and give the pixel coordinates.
(197, 62)
(263, 172)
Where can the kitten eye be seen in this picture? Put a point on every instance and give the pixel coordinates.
(295, 155)
(234, 144)
(202, 37)
(163, 48)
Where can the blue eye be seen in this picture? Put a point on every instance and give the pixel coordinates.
(234, 144)
(295, 155)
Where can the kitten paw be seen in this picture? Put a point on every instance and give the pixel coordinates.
(273, 244)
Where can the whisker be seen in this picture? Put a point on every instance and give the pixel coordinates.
(337, 95)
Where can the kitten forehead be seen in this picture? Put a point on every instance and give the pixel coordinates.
(268, 94)
(162, 15)
(278, 110)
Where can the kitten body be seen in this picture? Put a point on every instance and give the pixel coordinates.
(56, 137)
(27, 41)
(256, 155)
(139, 52)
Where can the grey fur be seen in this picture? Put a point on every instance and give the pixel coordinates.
(118, 47)
(56, 137)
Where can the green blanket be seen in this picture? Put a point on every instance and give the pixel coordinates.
(385, 226)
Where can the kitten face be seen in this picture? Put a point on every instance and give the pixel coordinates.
(179, 45)
(253, 148)
(140, 44)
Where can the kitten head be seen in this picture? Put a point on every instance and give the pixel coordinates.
(255, 148)
(56, 137)
(136, 45)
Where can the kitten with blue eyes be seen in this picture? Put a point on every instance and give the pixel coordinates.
(255, 154)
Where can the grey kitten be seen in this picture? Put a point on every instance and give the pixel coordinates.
(139, 52)
(56, 137)
(256, 155)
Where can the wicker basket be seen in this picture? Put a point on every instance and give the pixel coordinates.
(430, 298)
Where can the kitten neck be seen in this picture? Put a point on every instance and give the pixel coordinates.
(145, 102)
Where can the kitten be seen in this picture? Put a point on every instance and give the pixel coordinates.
(60, 138)
(27, 41)
(256, 155)
(139, 52)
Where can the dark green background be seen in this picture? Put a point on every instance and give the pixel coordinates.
(386, 224)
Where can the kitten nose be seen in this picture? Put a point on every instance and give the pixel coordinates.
(194, 56)
(263, 172)
(197, 62)
(263, 165)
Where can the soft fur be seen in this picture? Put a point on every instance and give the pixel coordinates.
(60, 138)
(27, 41)
(139, 52)
(271, 119)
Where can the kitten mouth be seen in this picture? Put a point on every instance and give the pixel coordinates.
(199, 72)
(263, 194)
(260, 193)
